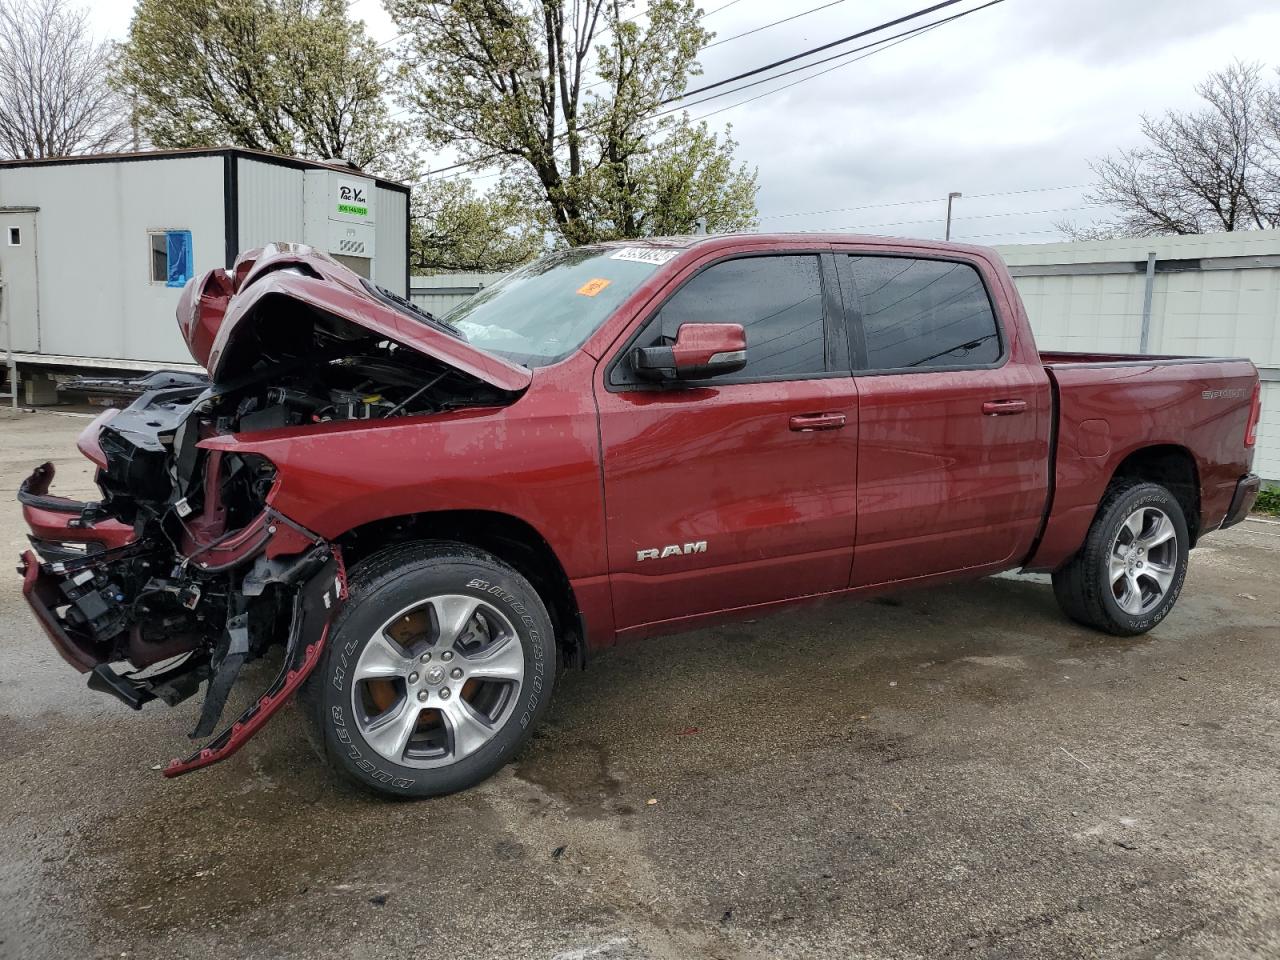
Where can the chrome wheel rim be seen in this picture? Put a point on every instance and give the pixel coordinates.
(1143, 560)
(437, 681)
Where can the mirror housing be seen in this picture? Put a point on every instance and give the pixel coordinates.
(701, 350)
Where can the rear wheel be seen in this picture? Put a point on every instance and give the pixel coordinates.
(439, 666)
(1129, 573)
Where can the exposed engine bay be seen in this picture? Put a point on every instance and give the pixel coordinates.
(184, 571)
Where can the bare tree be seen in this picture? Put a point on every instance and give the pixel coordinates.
(1271, 124)
(54, 98)
(1212, 169)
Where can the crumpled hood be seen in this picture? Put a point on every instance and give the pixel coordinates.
(217, 308)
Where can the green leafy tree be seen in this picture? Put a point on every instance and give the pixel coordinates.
(567, 98)
(454, 229)
(296, 77)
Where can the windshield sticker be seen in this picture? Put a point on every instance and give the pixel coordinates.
(645, 255)
(592, 287)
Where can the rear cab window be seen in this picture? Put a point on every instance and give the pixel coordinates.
(921, 314)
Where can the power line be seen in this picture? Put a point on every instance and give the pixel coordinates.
(723, 6)
(1019, 233)
(794, 16)
(786, 86)
(882, 45)
(909, 203)
(607, 29)
(662, 113)
(818, 49)
(904, 223)
(906, 34)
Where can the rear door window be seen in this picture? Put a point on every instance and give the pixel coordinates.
(918, 314)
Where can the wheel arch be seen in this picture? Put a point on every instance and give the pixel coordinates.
(509, 538)
(1173, 467)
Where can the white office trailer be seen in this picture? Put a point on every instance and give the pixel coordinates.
(94, 251)
(1211, 294)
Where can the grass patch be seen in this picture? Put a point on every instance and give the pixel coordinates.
(1268, 501)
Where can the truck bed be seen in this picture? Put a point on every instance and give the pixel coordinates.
(1110, 406)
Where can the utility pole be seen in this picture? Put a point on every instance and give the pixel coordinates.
(951, 198)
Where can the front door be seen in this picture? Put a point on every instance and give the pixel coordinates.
(736, 490)
(19, 309)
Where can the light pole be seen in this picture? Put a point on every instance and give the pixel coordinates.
(951, 198)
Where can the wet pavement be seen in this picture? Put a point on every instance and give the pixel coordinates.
(958, 772)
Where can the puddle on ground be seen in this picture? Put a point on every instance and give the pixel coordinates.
(575, 771)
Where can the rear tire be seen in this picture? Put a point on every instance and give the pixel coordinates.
(1130, 571)
(437, 670)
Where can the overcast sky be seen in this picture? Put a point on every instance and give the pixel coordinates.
(1014, 98)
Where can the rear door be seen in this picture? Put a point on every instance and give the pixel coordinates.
(737, 490)
(953, 444)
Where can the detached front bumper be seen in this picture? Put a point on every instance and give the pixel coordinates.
(1242, 502)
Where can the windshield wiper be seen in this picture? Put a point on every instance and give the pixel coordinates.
(408, 306)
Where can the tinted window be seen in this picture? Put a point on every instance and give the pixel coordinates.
(924, 313)
(778, 301)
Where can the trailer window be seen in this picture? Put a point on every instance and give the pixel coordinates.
(15, 236)
(170, 253)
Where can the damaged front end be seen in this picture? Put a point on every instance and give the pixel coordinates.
(180, 575)
(185, 570)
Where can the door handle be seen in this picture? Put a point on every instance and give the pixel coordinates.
(1004, 408)
(808, 422)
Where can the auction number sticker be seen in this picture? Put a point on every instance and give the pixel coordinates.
(644, 255)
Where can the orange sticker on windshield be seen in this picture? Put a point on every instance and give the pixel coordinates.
(592, 287)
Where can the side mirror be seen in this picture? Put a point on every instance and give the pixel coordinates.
(701, 350)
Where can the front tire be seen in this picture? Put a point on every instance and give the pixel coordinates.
(437, 670)
(1130, 571)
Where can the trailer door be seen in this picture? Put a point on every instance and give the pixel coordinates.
(19, 300)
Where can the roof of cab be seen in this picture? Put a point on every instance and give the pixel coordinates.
(715, 240)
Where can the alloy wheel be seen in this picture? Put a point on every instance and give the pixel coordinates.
(1143, 560)
(437, 681)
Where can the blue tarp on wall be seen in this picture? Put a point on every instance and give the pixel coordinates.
(179, 256)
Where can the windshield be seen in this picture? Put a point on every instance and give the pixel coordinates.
(543, 311)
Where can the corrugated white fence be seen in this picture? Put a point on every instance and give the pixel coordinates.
(1217, 294)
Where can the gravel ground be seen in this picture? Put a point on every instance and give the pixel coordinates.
(957, 772)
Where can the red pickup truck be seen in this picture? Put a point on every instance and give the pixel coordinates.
(424, 518)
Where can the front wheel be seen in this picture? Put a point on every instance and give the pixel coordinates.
(1129, 573)
(437, 670)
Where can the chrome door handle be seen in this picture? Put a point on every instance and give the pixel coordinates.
(1004, 408)
(808, 422)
